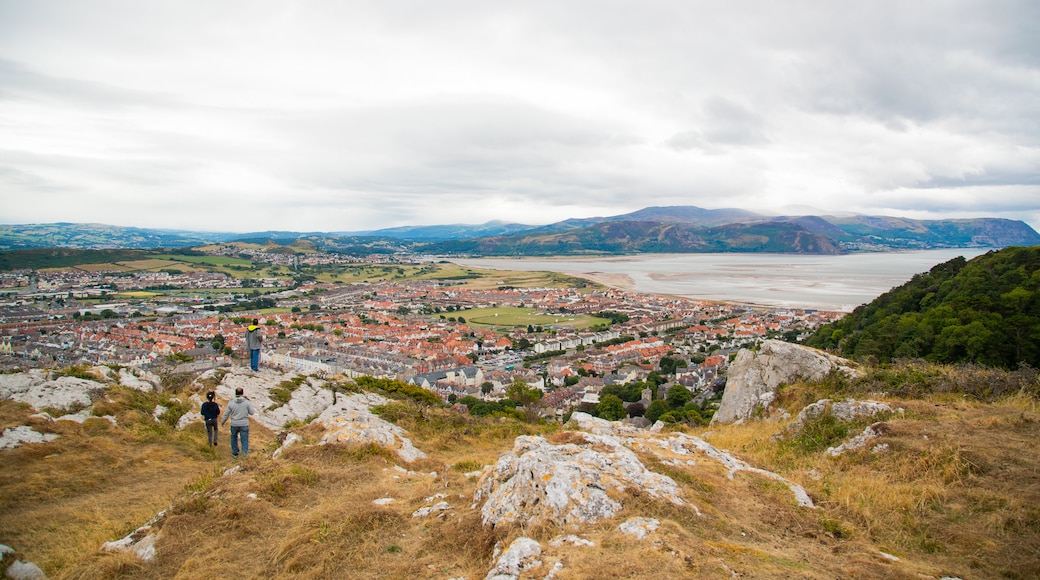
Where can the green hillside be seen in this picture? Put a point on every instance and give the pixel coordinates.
(985, 311)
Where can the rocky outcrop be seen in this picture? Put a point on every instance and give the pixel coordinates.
(15, 436)
(571, 483)
(140, 542)
(639, 527)
(847, 410)
(754, 376)
(870, 433)
(680, 441)
(38, 389)
(351, 421)
(523, 553)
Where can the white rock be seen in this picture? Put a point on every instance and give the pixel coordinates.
(570, 539)
(290, 440)
(139, 379)
(140, 542)
(523, 553)
(889, 557)
(847, 410)
(383, 501)
(159, 410)
(15, 436)
(869, 433)
(21, 570)
(734, 465)
(358, 426)
(82, 416)
(754, 376)
(187, 419)
(565, 484)
(639, 527)
(425, 511)
(36, 389)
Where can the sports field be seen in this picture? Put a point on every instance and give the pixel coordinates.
(507, 317)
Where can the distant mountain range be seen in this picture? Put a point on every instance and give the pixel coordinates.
(675, 229)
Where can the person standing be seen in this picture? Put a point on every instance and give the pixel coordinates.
(239, 411)
(253, 340)
(211, 414)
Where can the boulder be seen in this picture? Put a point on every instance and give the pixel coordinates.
(139, 379)
(572, 483)
(754, 377)
(523, 553)
(15, 436)
(639, 527)
(22, 570)
(351, 421)
(140, 542)
(847, 410)
(38, 390)
(870, 433)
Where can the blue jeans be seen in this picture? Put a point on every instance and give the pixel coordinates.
(254, 359)
(239, 433)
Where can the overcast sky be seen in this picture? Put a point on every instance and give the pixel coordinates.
(245, 115)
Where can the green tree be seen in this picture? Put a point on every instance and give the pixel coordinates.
(526, 396)
(611, 408)
(655, 410)
(678, 396)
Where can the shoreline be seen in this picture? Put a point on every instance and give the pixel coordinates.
(795, 281)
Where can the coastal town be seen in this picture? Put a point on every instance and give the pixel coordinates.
(455, 340)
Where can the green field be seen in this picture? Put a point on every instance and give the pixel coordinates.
(210, 260)
(507, 317)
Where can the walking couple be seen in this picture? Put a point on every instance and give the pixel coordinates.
(238, 411)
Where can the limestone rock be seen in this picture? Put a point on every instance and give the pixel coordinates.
(847, 410)
(570, 539)
(37, 389)
(754, 377)
(428, 510)
(870, 433)
(353, 423)
(15, 436)
(22, 570)
(523, 553)
(290, 440)
(140, 542)
(682, 440)
(139, 379)
(570, 483)
(639, 527)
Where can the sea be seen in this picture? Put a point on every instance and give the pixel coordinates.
(832, 283)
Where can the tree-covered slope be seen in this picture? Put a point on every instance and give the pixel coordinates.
(984, 311)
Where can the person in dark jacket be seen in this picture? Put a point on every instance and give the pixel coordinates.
(253, 339)
(211, 414)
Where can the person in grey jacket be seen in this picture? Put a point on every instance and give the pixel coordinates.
(239, 411)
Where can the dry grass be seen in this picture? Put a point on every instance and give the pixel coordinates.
(957, 493)
(957, 489)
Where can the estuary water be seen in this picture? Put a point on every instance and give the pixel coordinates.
(835, 283)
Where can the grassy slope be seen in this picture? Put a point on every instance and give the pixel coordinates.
(956, 494)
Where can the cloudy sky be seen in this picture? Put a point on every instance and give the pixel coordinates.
(245, 115)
